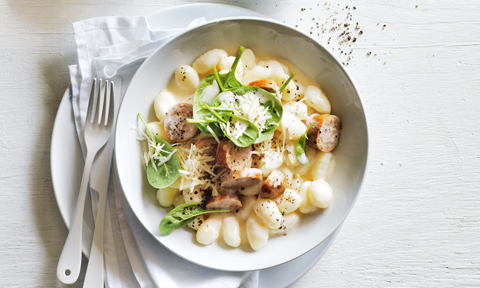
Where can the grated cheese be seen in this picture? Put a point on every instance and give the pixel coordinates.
(154, 152)
(195, 172)
(249, 108)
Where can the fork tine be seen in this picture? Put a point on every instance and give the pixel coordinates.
(110, 113)
(102, 92)
(91, 102)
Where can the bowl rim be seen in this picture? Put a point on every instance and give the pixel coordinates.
(284, 25)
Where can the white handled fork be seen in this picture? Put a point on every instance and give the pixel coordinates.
(98, 126)
(94, 277)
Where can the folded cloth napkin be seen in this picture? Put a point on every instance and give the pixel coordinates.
(113, 48)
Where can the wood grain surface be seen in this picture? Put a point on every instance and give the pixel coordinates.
(416, 222)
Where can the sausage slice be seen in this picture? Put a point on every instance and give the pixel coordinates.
(273, 186)
(176, 125)
(265, 84)
(224, 200)
(325, 133)
(208, 147)
(234, 179)
(233, 157)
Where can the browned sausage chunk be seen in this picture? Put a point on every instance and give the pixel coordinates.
(241, 178)
(325, 133)
(273, 186)
(176, 125)
(266, 84)
(233, 157)
(208, 147)
(224, 200)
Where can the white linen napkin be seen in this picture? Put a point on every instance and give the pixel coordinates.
(114, 48)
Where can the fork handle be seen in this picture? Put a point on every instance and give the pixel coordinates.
(95, 272)
(70, 261)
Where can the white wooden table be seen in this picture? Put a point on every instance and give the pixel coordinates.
(417, 220)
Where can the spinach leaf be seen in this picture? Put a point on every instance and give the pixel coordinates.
(181, 216)
(230, 81)
(200, 113)
(247, 138)
(300, 147)
(167, 173)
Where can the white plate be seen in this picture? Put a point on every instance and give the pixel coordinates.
(265, 38)
(67, 162)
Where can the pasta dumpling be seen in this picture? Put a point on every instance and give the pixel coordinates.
(209, 231)
(268, 212)
(162, 103)
(289, 221)
(231, 231)
(247, 207)
(257, 73)
(165, 196)
(257, 232)
(315, 98)
(306, 206)
(321, 165)
(320, 194)
(248, 59)
(293, 126)
(204, 63)
(289, 201)
(187, 78)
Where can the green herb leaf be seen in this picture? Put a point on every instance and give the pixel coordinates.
(181, 216)
(230, 81)
(217, 77)
(247, 138)
(200, 113)
(300, 147)
(167, 173)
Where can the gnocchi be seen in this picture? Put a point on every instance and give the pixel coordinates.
(289, 221)
(268, 212)
(162, 103)
(247, 207)
(257, 232)
(166, 196)
(204, 63)
(209, 231)
(306, 206)
(297, 109)
(315, 98)
(320, 168)
(197, 195)
(320, 194)
(187, 78)
(248, 59)
(231, 231)
(289, 201)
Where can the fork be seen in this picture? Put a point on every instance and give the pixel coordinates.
(98, 126)
(94, 276)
